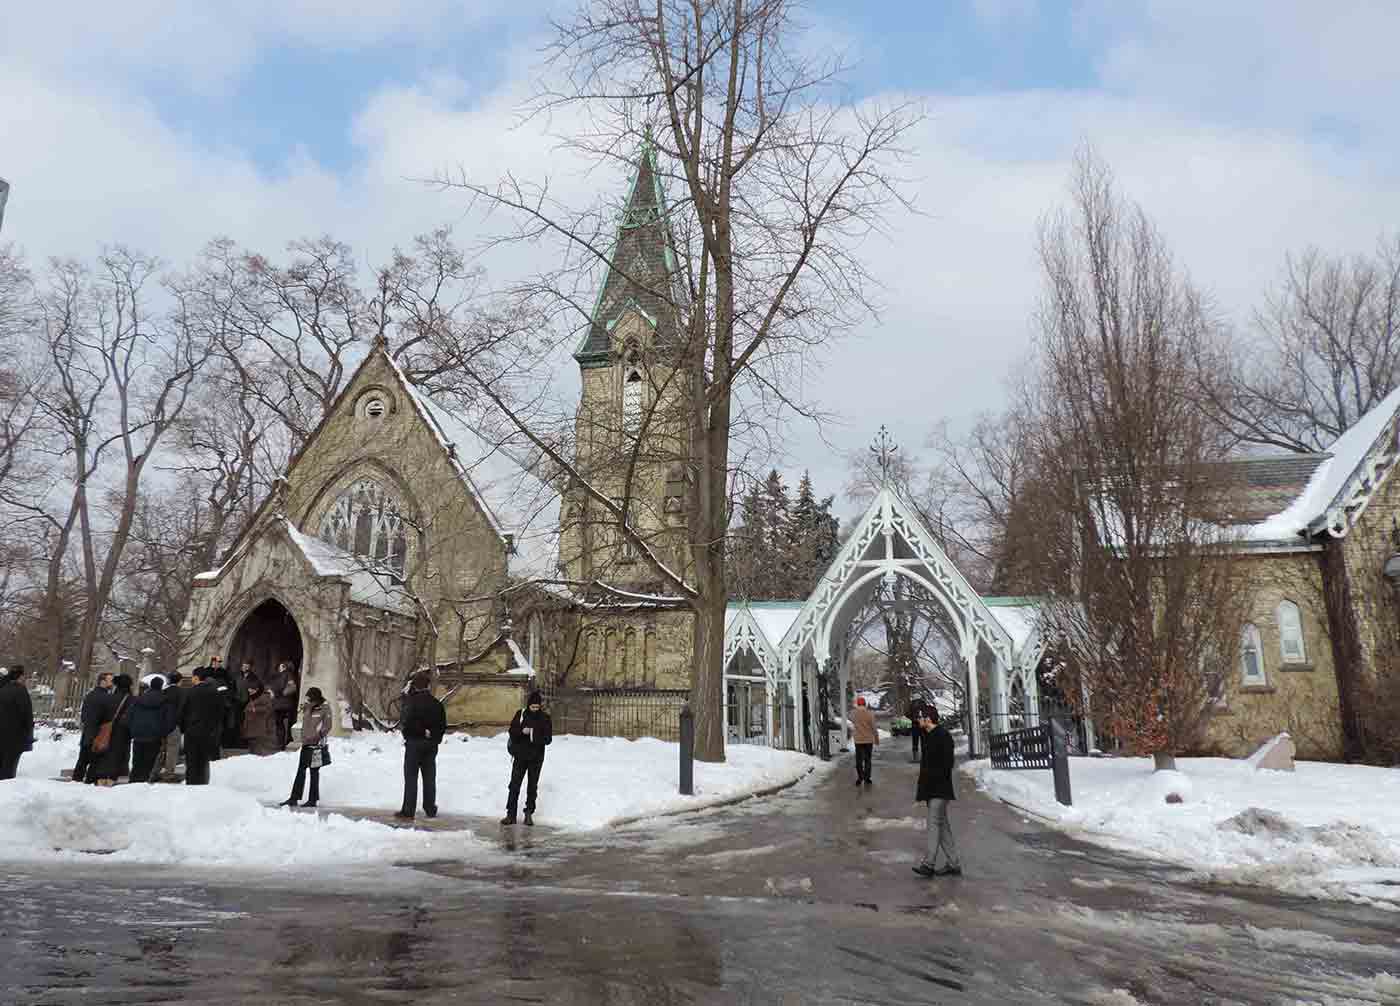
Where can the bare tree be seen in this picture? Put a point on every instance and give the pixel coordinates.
(1325, 351)
(1153, 608)
(776, 183)
(123, 373)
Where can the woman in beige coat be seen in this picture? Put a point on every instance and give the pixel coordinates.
(865, 735)
(315, 728)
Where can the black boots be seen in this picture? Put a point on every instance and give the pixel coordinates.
(288, 803)
(508, 819)
(530, 819)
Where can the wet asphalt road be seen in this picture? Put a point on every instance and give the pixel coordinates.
(802, 898)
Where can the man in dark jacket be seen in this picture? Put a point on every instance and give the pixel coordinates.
(16, 721)
(936, 787)
(202, 720)
(150, 719)
(916, 710)
(423, 721)
(96, 709)
(531, 731)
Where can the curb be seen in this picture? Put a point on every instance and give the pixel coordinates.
(726, 801)
(1033, 813)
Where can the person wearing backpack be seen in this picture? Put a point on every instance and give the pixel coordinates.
(531, 731)
(150, 720)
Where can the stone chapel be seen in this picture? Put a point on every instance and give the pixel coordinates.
(402, 535)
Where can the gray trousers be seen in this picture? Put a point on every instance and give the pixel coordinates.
(169, 753)
(940, 835)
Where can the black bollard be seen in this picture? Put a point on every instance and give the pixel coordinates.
(1059, 761)
(687, 751)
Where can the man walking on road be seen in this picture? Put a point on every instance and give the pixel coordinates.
(936, 787)
(423, 721)
(865, 735)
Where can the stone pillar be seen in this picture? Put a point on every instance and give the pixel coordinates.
(1001, 711)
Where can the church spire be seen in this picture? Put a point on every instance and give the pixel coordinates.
(642, 267)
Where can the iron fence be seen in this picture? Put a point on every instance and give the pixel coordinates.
(57, 698)
(1031, 747)
(617, 712)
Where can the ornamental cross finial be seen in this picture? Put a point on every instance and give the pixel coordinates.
(884, 448)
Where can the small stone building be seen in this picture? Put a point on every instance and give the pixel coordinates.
(1316, 537)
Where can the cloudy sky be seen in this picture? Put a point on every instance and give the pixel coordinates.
(1248, 129)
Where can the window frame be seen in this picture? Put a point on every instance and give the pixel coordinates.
(1250, 639)
(1283, 612)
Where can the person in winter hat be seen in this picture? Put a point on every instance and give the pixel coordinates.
(201, 720)
(865, 735)
(150, 720)
(16, 721)
(531, 731)
(315, 728)
(422, 721)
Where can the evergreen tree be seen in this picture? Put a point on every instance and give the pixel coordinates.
(781, 547)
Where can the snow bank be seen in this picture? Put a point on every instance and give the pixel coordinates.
(1322, 830)
(211, 825)
(587, 783)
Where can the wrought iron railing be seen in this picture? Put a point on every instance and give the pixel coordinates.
(617, 712)
(1031, 747)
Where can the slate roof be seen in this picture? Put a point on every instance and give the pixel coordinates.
(641, 268)
(1261, 487)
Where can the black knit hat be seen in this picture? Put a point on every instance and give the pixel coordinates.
(535, 699)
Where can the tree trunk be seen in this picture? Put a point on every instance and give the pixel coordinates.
(707, 679)
(1163, 761)
(1346, 645)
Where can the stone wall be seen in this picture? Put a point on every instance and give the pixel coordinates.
(1300, 698)
(481, 704)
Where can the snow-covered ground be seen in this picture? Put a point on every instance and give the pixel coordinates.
(1323, 830)
(587, 783)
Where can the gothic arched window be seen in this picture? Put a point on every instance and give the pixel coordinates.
(367, 521)
(1290, 634)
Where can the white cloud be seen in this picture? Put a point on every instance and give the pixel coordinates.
(1232, 192)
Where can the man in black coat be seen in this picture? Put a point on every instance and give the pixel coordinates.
(936, 787)
(202, 720)
(97, 708)
(16, 721)
(916, 710)
(423, 721)
(531, 731)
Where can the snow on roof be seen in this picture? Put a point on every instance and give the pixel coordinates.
(522, 666)
(1018, 616)
(378, 590)
(502, 473)
(1330, 479)
(773, 618)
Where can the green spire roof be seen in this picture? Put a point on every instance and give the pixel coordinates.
(642, 265)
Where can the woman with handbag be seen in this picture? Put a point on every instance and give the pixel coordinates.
(111, 746)
(315, 728)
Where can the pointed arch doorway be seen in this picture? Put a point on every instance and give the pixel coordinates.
(269, 635)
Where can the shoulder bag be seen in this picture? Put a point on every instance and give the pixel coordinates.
(102, 740)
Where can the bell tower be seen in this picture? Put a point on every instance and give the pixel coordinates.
(631, 429)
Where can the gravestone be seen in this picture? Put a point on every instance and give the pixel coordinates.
(1276, 754)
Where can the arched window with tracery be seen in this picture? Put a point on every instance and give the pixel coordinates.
(367, 520)
(633, 383)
